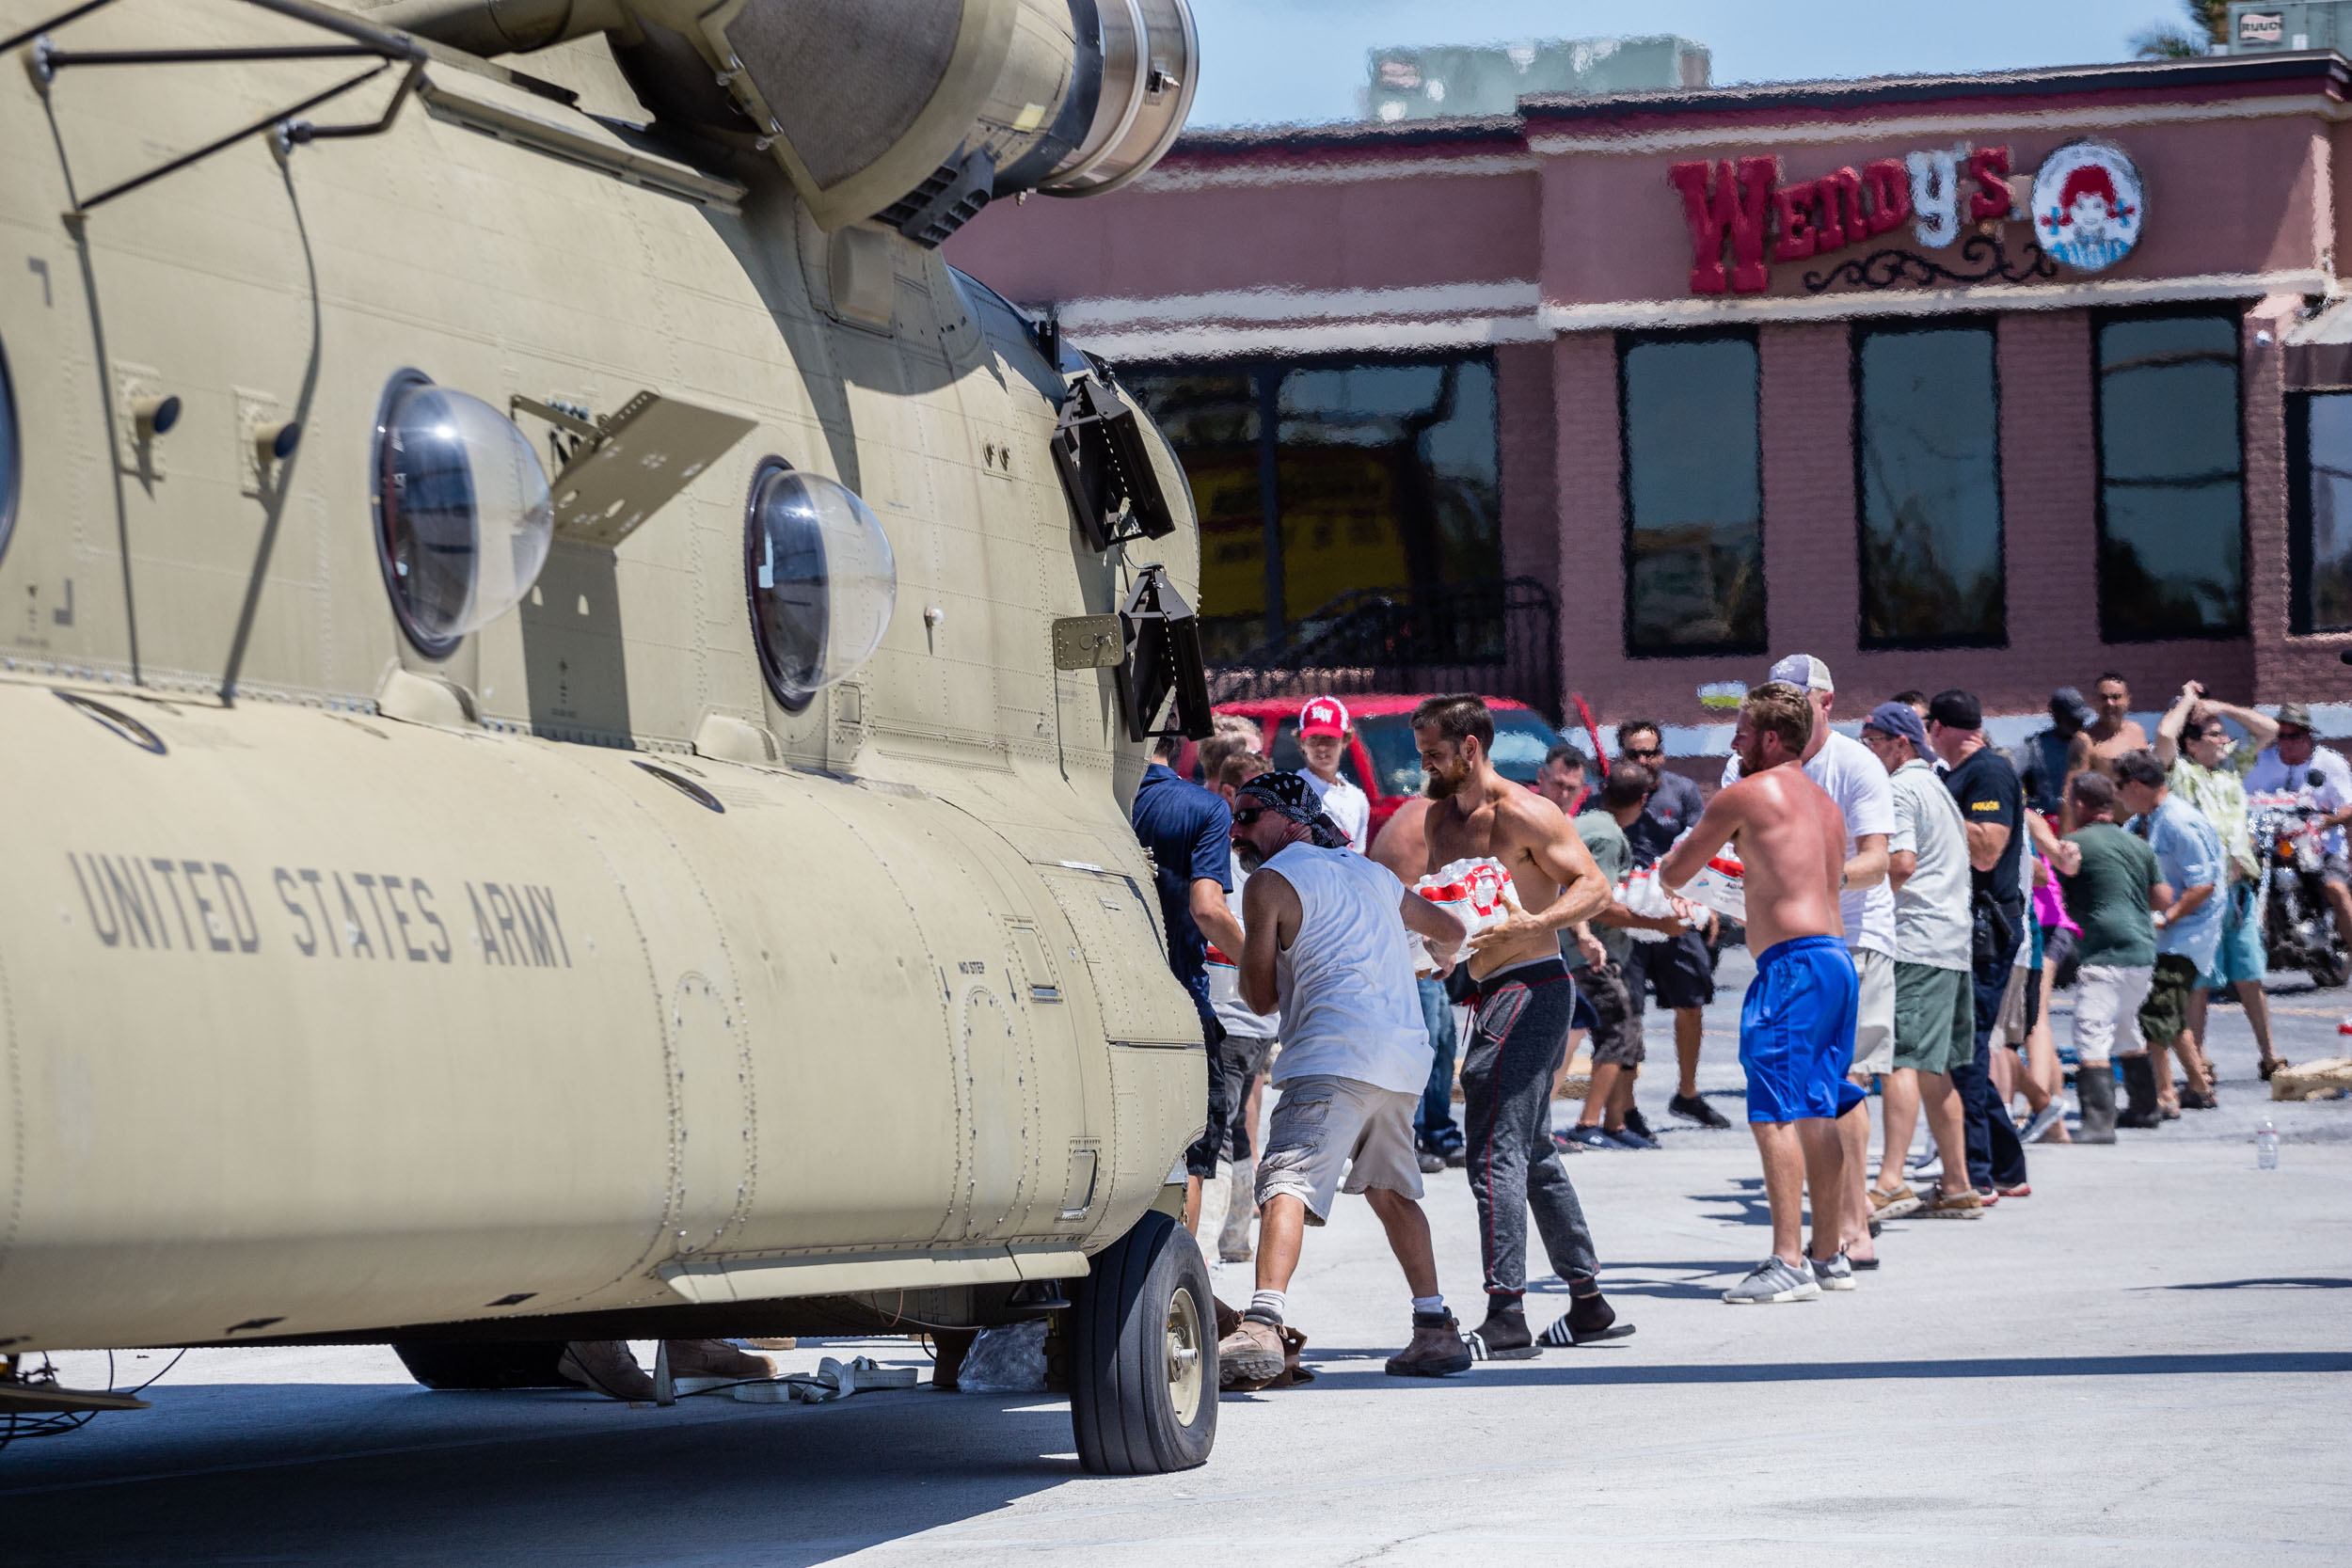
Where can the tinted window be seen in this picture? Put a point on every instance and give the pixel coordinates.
(1693, 495)
(10, 468)
(1928, 472)
(1382, 476)
(2321, 543)
(2172, 523)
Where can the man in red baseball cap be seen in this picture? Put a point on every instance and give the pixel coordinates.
(1323, 730)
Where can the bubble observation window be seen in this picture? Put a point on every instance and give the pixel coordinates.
(820, 578)
(463, 519)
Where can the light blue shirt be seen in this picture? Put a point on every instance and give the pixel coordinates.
(2188, 852)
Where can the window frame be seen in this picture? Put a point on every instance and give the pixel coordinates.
(2234, 313)
(1989, 324)
(1629, 339)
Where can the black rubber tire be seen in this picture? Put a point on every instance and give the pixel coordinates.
(1120, 1403)
(510, 1364)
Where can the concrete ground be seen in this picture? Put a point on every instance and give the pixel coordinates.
(2145, 1362)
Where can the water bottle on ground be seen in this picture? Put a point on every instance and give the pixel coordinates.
(2266, 1147)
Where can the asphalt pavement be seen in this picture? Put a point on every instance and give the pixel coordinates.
(2145, 1362)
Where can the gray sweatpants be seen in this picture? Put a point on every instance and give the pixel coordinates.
(1518, 1038)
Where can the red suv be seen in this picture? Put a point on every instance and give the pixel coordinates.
(1381, 758)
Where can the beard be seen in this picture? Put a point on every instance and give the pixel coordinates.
(1250, 859)
(1442, 785)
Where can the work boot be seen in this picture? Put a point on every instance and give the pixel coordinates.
(1588, 1319)
(2139, 1085)
(607, 1366)
(716, 1358)
(1437, 1350)
(1503, 1336)
(1232, 1241)
(1251, 1355)
(2095, 1085)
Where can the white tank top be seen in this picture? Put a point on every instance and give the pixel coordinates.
(1350, 1008)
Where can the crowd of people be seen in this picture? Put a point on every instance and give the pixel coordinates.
(1911, 898)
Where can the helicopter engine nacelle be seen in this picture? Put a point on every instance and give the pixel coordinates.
(916, 113)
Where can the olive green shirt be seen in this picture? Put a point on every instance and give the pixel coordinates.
(1613, 854)
(2108, 896)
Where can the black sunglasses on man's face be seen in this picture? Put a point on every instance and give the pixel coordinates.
(1247, 815)
(1643, 754)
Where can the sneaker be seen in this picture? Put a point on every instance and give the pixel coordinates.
(2043, 1120)
(1624, 1137)
(1583, 1136)
(1587, 1321)
(1251, 1356)
(1565, 1142)
(1639, 1128)
(2021, 1189)
(1690, 1107)
(1503, 1336)
(1894, 1206)
(1437, 1350)
(1833, 1274)
(1456, 1156)
(1431, 1163)
(1772, 1280)
(1954, 1206)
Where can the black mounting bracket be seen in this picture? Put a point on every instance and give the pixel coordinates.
(1164, 684)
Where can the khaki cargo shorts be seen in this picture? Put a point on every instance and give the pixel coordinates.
(1324, 1127)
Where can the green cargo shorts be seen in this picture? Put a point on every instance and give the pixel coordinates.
(2164, 1014)
(1935, 1018)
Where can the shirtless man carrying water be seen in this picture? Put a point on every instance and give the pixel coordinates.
(1797, 1023)
(1520, 1030)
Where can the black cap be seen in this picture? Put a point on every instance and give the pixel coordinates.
(1956, 709)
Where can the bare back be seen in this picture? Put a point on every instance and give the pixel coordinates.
(1792, 838)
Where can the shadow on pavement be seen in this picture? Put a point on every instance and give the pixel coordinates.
(1569, 1372)
(484, 1477)
(2305, 1282)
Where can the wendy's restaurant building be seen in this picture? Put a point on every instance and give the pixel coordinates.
(1988, 381)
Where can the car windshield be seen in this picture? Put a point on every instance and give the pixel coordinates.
(1522, 739)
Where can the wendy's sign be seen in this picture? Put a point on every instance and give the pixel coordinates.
(2087, 207)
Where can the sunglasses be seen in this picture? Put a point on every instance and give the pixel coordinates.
(2288, 731)
(1638, 754)
(1247, 815)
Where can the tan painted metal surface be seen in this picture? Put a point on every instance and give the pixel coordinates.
(343, 987)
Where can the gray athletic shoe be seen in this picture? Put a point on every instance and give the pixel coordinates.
(1772, 1280)
(1835, 1274)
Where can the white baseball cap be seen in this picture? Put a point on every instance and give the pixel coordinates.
(1804, 671)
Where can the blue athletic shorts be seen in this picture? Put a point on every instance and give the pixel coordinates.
(2241, 956)
(1796, 1031)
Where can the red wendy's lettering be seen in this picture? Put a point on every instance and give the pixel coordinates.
(1888, 182)
(1989, 168)
(1733, 207)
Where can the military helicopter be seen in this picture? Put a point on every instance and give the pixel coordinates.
(571, 687)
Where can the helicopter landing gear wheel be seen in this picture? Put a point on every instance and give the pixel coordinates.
(499, 1364)
(1143, 1355)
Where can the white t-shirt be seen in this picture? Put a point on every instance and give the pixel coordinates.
(2271, 776)
(1350, 1005)
(1853, 777)
(1933, 922)
(1225, 980)
(1348, 806)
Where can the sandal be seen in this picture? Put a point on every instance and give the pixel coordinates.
(2272, 1065)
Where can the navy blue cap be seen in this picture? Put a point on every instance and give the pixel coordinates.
(1901, 721)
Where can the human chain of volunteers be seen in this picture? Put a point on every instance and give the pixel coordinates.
(1910, 897)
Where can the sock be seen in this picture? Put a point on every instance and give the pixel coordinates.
(1433, 1306)
(1502, 1303)
(1267, 1306)
(1584, 1290)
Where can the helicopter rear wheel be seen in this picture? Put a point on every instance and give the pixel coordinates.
(510, 1364)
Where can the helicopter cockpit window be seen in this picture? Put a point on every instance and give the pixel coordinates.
(463, 518)
(820, 576)
(10, 469)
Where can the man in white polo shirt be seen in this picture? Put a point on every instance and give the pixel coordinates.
(1856, 781)
(1323, 731)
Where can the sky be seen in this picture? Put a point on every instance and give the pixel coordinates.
(1277, 61)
